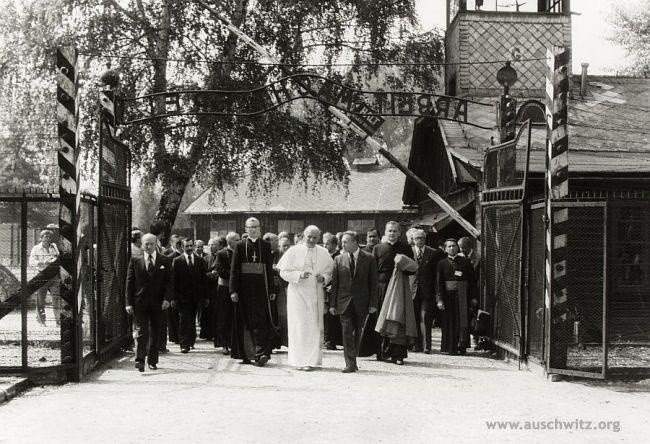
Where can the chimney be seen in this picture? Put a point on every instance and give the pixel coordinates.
(583, 83)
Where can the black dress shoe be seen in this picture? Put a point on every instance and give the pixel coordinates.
(246, 362)
(153, 367)
(428, 351)
(349, 370)
(185, 350)
(262, 361)
(399, 362)
(163, 351)
(225, 351)
(140, 366)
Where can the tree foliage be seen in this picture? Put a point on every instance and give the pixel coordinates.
(631, 22)
(28, 141)
(162, 45)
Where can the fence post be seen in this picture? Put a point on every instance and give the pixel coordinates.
(557, 187)
(69, 175)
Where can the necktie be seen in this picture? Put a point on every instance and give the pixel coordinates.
(190, 261)
(149, 264)
(419, 254)
(352, 264)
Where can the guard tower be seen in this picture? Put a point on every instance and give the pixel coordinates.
(482, 30)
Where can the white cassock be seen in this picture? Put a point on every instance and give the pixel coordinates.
(305, 302)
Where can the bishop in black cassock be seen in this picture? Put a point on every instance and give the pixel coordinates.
(453, 275)
(251, 288)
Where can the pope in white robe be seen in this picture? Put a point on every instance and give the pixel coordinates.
(307, 268)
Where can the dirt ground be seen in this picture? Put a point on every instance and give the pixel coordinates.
(206, 397)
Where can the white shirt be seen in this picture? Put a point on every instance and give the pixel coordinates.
(40, 256)
(189, 259)
(146, 259)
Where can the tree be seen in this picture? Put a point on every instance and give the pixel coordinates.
(631, 23)
(28, 141)
(164, 45)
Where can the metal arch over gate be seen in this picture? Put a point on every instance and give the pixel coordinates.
(345, 103)
(365, 108)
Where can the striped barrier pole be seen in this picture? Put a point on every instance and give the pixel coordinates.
(557, 219)
(69, 180)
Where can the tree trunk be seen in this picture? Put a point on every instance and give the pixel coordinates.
(170, 200)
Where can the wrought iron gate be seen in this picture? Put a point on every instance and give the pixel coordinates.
(114, 229)
(502, 243)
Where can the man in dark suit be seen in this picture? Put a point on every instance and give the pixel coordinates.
(331, 324)
(190, 290)
(372, 239)
(173, 318)
(424, 288)
(223, 310)
(385, 253)
(353, 295)
(149, 288)
(211, 286)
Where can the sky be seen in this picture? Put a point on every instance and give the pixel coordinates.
(589, 26)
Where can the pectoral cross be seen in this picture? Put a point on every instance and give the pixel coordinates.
(254, 257)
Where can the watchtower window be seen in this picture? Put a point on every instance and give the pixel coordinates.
(553, 6)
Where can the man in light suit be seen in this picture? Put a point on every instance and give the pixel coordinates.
(190, 275)
(354, 294)
(149, 289)
(424, 288)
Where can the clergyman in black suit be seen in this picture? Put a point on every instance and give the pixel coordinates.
(149, 289)
(385, 253)
(353, 295)
(189, 291)
(424, 288)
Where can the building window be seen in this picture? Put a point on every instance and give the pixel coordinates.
(291, 226)
(361, 226)
(222, 227)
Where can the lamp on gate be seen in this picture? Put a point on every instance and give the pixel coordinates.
(111, 78)
(506, 76)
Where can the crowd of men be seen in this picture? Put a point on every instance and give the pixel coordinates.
(256, 294)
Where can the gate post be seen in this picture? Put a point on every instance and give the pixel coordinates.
(557, 186)
(69, 182)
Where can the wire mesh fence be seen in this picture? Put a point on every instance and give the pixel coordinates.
(628, 311)
(45, 306)
(88, 258)
(113, 263)
(576, 327)
(10, 277)
(30, 301)
(36, 295)
(502, 226)
(535, 276)
(601, 325)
